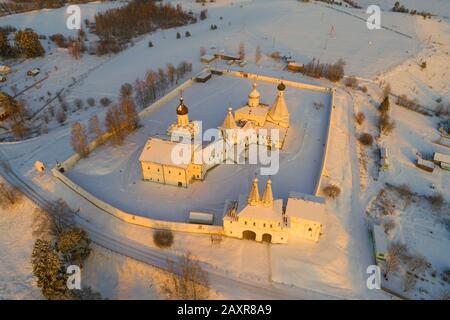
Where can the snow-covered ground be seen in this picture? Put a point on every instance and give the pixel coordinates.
(336, 266)
(436, 7)
(52, 21)
(16, 244)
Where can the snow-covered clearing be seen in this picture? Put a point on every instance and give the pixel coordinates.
(16, 243)
(52, 21)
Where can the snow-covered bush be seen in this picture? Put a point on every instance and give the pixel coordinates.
(163, 238)
(332, 191)
(366, 139)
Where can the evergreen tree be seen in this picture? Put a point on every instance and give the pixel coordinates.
(6, 50)
(27, 41)
(48, 270)
(74, 245)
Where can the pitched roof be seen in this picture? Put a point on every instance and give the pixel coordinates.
(229, 122)
(273, 213)
(439, 157)
(306, 206)
(160, 151)
(279, 112)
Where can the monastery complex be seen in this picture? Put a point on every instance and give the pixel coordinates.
(254, 217)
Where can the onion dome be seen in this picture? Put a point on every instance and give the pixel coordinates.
(281, 87)
(254, 93)
(182, 109)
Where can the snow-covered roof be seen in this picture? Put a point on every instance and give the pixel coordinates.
(273, 213)
(306, 206)
(439, 157)
(425, 163)
(295, 64)
(207, 57)
(279, 112)
(201, 217)
(160, 151)
(203, 75)
(260, 111)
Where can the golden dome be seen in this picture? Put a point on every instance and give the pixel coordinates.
(182, 109)
(281, 87)
(254, 94)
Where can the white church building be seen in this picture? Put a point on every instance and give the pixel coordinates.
(252, 124)
(266, 219)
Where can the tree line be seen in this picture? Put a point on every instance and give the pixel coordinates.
(333, 72)
(16, 6)
(26, 43)
(122, 118)
(136, 18)
(59, 244)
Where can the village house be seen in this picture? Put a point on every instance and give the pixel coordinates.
(442, 160)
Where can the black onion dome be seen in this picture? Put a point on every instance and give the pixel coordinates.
(281, 87)
(182, 109)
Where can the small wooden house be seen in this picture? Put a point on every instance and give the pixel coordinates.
(442, 160)
(203, 76)
(207, 58)
(295, 66)
(425, 165)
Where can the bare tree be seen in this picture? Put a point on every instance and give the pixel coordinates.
(409, 282)
(258, 54)
(242, 51)
(126, 90)
(394, 254)
(105, 101)
(386, 90)
(129, 114)
(143, 94)
(171, 73)
(188, 281)
(162, 80)
(79, 140)
(113, 123)
(150, 79)
(95, 127)
(75, 49)
(418, 264)
(91, 102)
(9, 195)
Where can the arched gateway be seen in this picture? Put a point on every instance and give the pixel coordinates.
(249, 235)
(267, 238)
